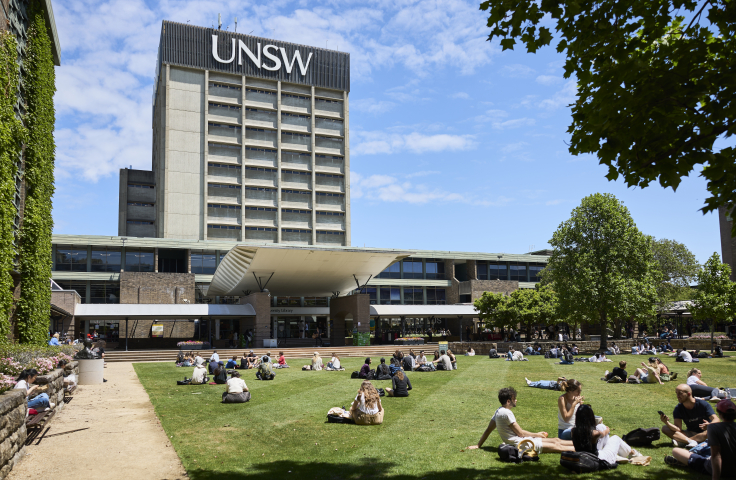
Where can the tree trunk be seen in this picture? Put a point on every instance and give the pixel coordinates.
(617, 328)
(604, 332)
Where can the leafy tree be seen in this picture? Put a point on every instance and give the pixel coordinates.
(602, 267)
(489, 307)
(676, 269)
(715, 297)
(525, 308)
(655, 90)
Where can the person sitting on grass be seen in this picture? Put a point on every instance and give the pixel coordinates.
(493, 353)
(700, 389)
(281, 363)
(316, 361)
(236, 391)
(400, 385)
(618, 375)
(365, 369)
(366, 409)
(199, 375)
(546, 384)
(382, 370)
(443, 362)
(722, 442)
(408, 363)
(232, 363)
(334, 363)
(650, 373)
(515, 356)
(684, 356)
(567, 406)
(717, 351)
(595, 439)
(453, 360)
(220, 373)
(470, 352)
(25, 382)
(394, 367)
(567, 358)
(511, 432)
(421, 359)
(251, 361)
(265, 370)
(696, 414)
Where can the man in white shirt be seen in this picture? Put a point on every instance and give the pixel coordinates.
(511, 432)
(421, 359)
(685, 355)
(237, 391)
(215, 357)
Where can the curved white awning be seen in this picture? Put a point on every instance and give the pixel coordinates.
(457, 310)
(121, 311)
(298, 271)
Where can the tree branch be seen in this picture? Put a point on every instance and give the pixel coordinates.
(697, 16)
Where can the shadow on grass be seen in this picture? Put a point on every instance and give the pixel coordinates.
(371, 468)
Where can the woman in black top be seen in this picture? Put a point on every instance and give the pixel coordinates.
(401, 385)
(595, 439)
(220, 374)
(382, 371)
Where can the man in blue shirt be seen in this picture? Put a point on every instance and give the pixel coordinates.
(54, 342)
(696, 414)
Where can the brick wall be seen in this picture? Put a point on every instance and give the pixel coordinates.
(477, 287)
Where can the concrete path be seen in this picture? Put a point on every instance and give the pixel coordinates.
(123, 438)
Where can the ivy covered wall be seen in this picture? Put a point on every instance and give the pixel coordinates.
(12, 135)
(33, 310)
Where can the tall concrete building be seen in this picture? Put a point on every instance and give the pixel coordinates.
(250, 143)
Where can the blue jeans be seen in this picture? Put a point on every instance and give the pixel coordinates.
(565, 362)
(548, 384)
(509, 356)
(565, 434)
(39, 402)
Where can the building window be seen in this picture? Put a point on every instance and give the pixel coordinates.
(71, 258)
(315, 301)
(413, 295)
(105, 259)
(372, 294)
(390, 296)
(203, 262)
(104, 292)
(138, 260)
(481, 269)
(413, 268)
(534, 270)
(288, 302)
(393, 271)
(200, 293)
(435, 296)
(518, 272)
(435, 269)
(80, 286)
(498, 271)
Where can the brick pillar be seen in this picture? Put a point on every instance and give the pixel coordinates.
(472, 271)
(359, 306)
(261, 303)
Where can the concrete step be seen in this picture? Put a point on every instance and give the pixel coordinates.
(305, 352)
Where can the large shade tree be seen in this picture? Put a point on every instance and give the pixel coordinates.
(715, 297)
(602, 267)
(656, 82)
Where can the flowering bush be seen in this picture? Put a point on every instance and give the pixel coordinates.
(9, 366)
(706, 336)
(16, 358)
(410, 338)
(193, 343)
(7, 382)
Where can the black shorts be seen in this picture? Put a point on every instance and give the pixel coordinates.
(700, 464)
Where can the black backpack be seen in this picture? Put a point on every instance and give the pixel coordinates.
(355, 374)
(584, 462)
(339, 419)
(509, 453)
(641, 437)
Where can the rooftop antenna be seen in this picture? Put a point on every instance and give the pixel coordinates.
(236, 24)
(219, 21)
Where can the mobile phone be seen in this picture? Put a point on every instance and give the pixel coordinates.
(660, 412)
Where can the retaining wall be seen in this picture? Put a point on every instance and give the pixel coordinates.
(482, 348)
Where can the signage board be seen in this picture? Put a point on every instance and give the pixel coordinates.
(157, 330)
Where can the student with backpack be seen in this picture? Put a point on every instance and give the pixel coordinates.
(595, 439)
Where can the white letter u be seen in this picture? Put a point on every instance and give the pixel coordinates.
(214, 51)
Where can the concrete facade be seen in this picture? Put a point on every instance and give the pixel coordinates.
(352, 307)
(137, 203)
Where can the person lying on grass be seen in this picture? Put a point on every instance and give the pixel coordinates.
(701, 389)
(696, 414)
(511, 432)
(367, 408)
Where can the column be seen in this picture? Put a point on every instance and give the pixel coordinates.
(242, 158)
(278, 161)
(203, 175)
(313, 166)
(346, 161)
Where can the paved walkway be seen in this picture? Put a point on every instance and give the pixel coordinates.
(123, 438)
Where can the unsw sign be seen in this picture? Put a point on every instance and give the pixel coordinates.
(271, 62)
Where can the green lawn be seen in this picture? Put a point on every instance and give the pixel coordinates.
(282, 431)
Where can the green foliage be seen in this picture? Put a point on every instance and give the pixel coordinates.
(654, 93)
(676, 269)
(602, 266)
(12, 135)
(525, 307)
(715, 297)
(35, 241)
(282, 432)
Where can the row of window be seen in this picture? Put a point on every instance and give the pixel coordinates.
(139, 222)
(138, 204)
(411, 295)
(224, 227)
(222, 105)
(430, 269)
(224, 85)
(520, 272)
(138, 185)
(224, 165)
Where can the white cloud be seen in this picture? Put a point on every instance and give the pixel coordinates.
(379, 142)
(385, 188)
(491, 116)
(515, 123)
(517, 71)
(462, 95)
(514, 147)
(372, 106)
(423, 173)
(562, 98)
(549, 80)
(554, 202)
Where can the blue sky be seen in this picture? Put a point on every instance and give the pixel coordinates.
(454, 144)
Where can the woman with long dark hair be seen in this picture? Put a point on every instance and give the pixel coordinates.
(595, 439)
(25, 382)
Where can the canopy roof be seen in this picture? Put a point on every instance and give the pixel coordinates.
(298, 271)
(457, 310)
(107, 311)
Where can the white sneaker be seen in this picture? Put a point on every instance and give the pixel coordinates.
(51, 405)
(606, 374)
(692, 444)
(528, 382)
